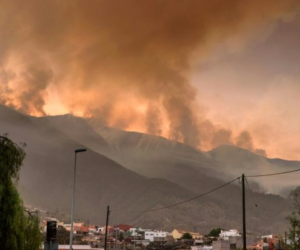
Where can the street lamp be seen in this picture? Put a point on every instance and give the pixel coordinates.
(78, 150)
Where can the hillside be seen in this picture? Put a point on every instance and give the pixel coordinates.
(155, 156)
(46, 180)
(234, 160)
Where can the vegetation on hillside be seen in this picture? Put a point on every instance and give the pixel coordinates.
(294, 221)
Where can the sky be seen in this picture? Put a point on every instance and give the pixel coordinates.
(257, 89)
(204, 73)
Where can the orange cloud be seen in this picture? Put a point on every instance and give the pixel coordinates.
(126, 63)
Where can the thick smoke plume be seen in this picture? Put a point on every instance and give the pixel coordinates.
(126, 63)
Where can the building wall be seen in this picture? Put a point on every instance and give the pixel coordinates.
(230, 233)
(155, 236)
(178, 234)
(221, 245)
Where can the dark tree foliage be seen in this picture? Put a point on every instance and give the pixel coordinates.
(215, 232)
(32, 233)
(63, 236)
(187, 236)
(18, 230)
(294, 220)
(121, 236)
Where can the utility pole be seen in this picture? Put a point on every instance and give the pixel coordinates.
(244, 214)
(295, 245)
(116, 240)
(107, 216)
(285, 239)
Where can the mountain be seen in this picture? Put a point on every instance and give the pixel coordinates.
(154, 156)
(165, 172)
(236, 160)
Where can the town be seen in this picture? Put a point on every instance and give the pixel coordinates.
(128, 237)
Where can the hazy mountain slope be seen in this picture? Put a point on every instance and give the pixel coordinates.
(234, 160)
(158, 157)
(46, 181)
(46, 177)
(77, 129)
(155, 156)
(152, 156)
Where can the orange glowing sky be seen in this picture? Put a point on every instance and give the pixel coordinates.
(258, 89)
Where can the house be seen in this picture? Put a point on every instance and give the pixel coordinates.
(67, 247)
(75, 225)
(136, 232)
(235, 241)
(92, 229)
(270, 236)
(272, 242)
(83, 230)
(101, 230)
(77, 247)
(123, 227)
(221, 245)
(157, 236)
(141, 243)
(177, 234)
(230, 233)
(201, 248)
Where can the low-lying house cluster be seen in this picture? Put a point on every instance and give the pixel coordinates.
(129, 237)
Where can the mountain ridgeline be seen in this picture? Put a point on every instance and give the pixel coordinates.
(134, 172)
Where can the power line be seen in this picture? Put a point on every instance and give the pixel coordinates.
(280, 173)
(185, 201)
(213, 190)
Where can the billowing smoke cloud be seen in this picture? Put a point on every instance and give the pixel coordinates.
(126, 63)
(221, 136)
(35, 81)
(245, 140)
(153, 120)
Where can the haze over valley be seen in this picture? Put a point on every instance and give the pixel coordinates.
(135, 172)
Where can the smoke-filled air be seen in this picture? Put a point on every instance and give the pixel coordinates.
(131, 64)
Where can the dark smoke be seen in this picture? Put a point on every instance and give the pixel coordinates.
(245, 140)
(103, 57)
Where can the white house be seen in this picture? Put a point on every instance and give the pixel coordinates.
(136, 231)
(271, 236)
(230, 233)
(156, 236)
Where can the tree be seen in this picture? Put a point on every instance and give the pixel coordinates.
(63, 235)
(18, 231)
(121, 237)
(186, 236)
(215, 232)
(32, 233)
(294, 220)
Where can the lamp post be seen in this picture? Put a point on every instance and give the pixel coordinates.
(79, 150)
